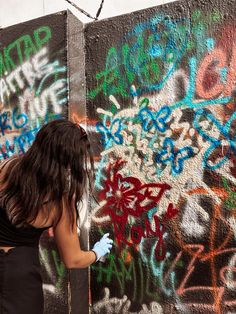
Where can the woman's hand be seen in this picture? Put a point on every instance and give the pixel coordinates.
(103, 246)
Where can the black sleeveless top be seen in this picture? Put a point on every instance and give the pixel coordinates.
(11, 235)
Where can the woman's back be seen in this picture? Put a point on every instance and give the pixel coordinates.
(37, 190)
(12, 236)
(20, 279)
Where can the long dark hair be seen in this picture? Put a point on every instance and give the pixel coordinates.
(57, 168)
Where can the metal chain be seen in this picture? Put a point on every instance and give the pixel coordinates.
(99, 10)
(86, 13)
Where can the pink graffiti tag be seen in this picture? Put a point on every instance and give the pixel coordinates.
(127, 197)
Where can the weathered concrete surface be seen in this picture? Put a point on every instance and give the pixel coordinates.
(161, 104)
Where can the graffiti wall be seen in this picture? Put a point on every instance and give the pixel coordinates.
(33, 91)
(161, 107)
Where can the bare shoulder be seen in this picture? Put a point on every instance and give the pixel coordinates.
(45, 217)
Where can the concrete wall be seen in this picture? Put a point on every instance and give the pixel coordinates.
(41, 79)
(33, 85)
(161, 106)
(79, 286)
(156, 89)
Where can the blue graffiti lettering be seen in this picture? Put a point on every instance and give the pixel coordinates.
(176, 157)
(215, 143)
(157, 120)
(112, 133)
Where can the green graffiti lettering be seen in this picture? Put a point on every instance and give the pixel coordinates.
(10, 65)
(113, 273)
(141, 279)
(112, 80)
(29, 47)
(216, 16)
(25, 48)
(59, 265)
(152, 71)
(42, 35)
(130, 74)
(22, 49)
(143, 60)
(119, 271)
(2, 65)
(18, 47)
(128, 273)
(230, 202)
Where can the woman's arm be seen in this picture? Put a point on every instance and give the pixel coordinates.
(69, 245)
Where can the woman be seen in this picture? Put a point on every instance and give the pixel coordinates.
(39, 190)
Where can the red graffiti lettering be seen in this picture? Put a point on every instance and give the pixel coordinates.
(128, 197)
(209, 81)
(208, 78)
(231, 76)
